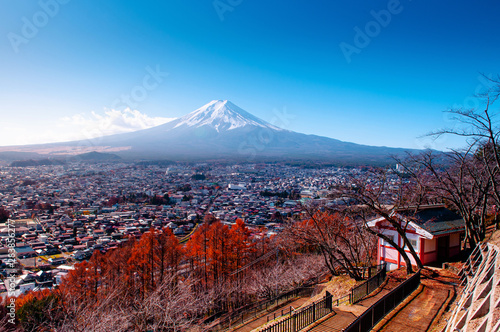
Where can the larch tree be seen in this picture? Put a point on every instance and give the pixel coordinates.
(141, 263)
(168, 254)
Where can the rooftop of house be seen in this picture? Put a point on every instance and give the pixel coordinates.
(430, 220)
(438, 220)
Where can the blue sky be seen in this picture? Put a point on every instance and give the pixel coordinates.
(64, 77)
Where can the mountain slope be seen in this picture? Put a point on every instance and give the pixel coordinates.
(221, 129)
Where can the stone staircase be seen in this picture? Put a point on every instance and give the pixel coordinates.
(478, 305)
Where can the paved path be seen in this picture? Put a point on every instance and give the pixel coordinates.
(337, 322)
(419, 313)
(270, 316)
(416, 315)
(345, 315)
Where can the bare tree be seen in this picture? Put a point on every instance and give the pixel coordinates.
(289, 272)
(380, 193)
(111, 312)
(461, 180)
(471, 183)
(169, 307)
(482, 130)
(343, 242)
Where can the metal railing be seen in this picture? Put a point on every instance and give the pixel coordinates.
(471, 265)
(358, 292)
(303, 317)
(253, 310)
(382, 307)
(246, 314)
(368, 272)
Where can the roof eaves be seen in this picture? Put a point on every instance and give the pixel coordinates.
(374, 222)
(420, 231)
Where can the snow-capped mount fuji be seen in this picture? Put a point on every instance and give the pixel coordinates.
(221, 130)
(221, 115)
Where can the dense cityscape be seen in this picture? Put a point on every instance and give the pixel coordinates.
(63, 213)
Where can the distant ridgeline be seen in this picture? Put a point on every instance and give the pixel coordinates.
(86, 157)
(34, 162)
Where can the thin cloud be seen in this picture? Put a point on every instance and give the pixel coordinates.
(112, 122)
(82, 126)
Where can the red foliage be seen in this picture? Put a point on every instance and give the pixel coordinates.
(30, 296)
(215, 251)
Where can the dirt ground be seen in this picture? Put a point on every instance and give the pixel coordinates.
(338, 286)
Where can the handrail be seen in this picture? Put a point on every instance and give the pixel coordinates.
(234, 315)
(379, 277)
(303, 316)
(382, 307)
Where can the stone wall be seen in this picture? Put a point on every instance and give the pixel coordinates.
(478, 304)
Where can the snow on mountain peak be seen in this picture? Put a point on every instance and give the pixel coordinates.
(222, 115)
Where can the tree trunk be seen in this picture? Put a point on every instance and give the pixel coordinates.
(409, 268)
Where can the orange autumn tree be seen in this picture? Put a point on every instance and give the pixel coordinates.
(241, 243)
(117, 265)
(218, 252)
(39, 310)
(168, 254)
(155, 256)
(81, 283)
(215, 251)
(140, 264)
(197, 252)
(92, 280)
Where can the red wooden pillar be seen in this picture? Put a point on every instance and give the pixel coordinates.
(379, 251)
(399, 255)
(422, 250)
